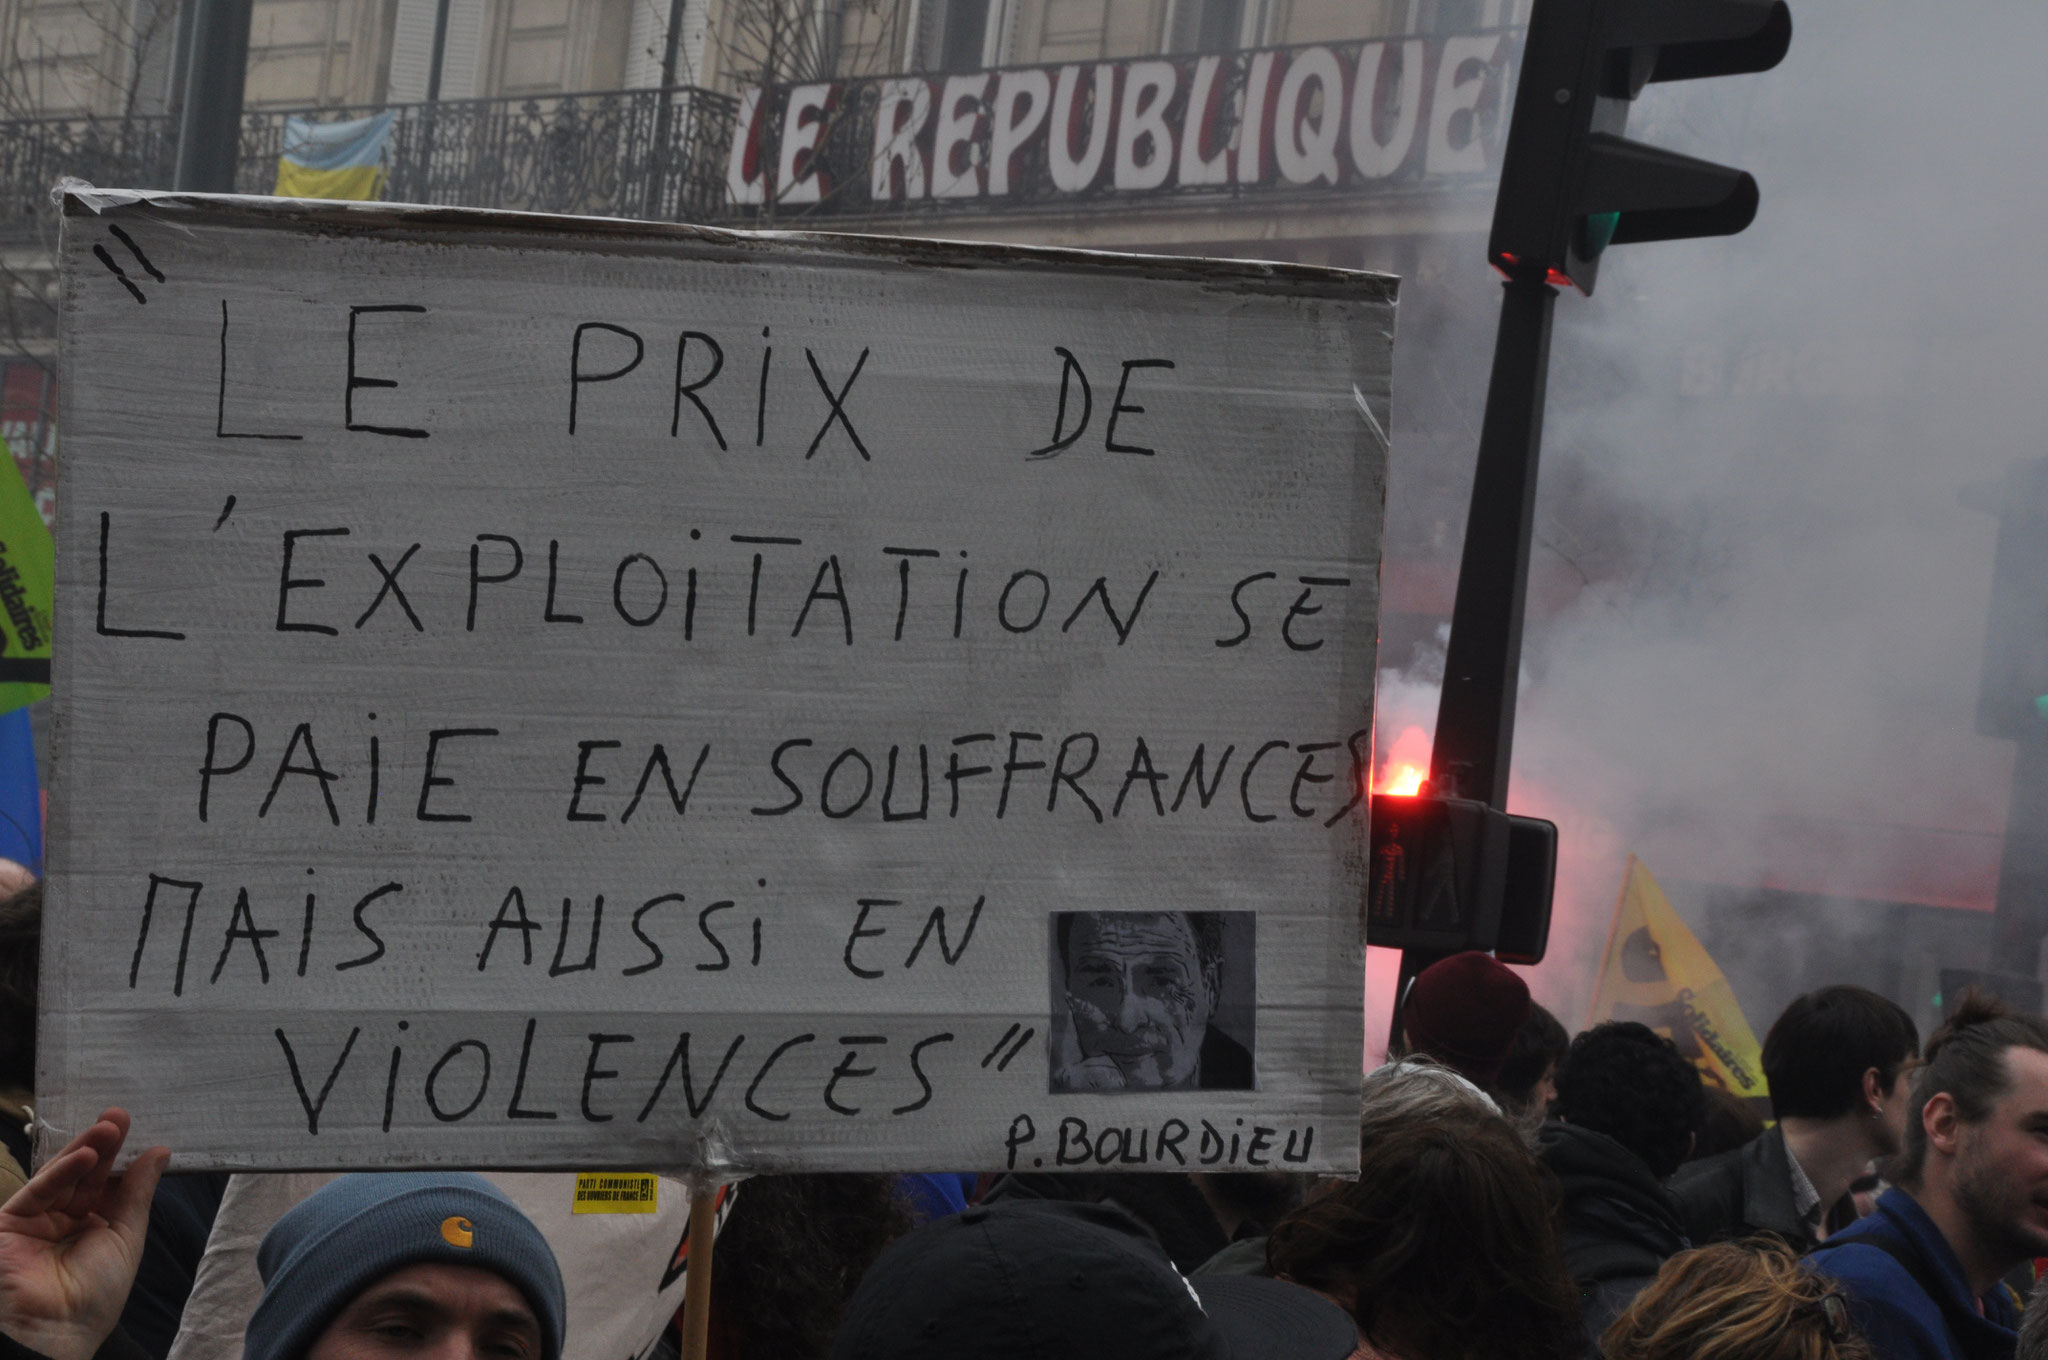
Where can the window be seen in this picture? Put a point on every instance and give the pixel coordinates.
(966, 33)
(954, 34)
(1459, 16)
(1207, 26)
(1071, 30)
(531, 44)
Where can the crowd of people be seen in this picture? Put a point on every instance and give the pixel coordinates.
(1520, 1192)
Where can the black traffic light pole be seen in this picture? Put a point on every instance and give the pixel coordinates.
(1475, 718)
(210, 118)
(1570, 186)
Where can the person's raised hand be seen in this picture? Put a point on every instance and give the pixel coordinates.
(70, 1240)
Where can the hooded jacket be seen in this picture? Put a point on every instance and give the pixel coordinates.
(1617, 1223)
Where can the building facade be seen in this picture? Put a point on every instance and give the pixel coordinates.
(1354, 133)
(112, 58)
(1361, 133)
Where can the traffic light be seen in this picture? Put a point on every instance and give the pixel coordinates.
(1450, 874)
(1525, 897)
(2022, 993)
(1571, 185)
(2013, 699)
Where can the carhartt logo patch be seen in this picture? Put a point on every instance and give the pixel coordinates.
(458, 1232)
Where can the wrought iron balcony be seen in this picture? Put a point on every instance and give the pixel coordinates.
(36, 153)
(656, 154)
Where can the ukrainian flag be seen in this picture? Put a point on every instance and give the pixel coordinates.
(334, 160)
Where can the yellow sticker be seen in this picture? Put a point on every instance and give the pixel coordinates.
(613, 1192)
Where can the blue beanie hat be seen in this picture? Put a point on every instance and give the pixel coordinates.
(354, 1231)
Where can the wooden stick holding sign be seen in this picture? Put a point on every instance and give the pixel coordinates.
(697, 1278)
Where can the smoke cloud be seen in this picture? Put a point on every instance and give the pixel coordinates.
(1759, 609)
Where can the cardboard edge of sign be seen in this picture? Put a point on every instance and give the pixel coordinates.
(81, 201)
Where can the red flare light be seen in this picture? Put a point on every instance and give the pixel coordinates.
(1405, 782)
(1402, 773)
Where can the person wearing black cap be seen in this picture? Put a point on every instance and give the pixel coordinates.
(371, 1267)
(1037, 1280)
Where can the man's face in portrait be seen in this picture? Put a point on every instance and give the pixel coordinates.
(1140, 999)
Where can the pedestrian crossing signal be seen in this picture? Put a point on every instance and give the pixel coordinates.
(1451, 874)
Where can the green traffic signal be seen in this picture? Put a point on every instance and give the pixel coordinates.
(1571, 184)
(1595, 232)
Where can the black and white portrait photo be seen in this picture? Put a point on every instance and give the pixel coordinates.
(1153, 1001)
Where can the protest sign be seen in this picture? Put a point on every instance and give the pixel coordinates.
(569, 693)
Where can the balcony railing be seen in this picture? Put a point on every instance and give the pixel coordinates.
(36, 153)
(1382, 117)
(656, 154)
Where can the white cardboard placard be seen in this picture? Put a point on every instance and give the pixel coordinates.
(540, 692)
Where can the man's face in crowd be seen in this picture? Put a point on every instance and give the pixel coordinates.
(1138, 995)
(433, 1311)
(2001, 1172)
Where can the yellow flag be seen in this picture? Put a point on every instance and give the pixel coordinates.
(1656, 972)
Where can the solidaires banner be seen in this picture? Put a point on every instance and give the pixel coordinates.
(1655, 971)
(560, 692)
